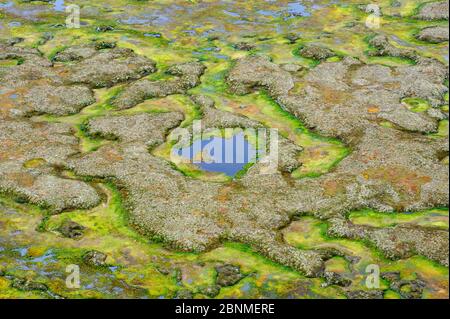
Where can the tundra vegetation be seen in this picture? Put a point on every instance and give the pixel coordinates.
(88, 120)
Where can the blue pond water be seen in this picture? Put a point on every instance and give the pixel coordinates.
(222, 155)
(152, 35)
(59, 6)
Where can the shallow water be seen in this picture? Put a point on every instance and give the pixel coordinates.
(187, 27)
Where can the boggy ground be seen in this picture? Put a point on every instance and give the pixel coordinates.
(87, 125)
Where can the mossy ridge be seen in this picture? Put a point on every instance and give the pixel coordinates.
(273, 279)
(442, 131)
(18, 32)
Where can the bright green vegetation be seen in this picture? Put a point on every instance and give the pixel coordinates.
(131, 261)
(416, 104)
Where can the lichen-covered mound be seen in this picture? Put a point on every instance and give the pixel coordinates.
(351, 100)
